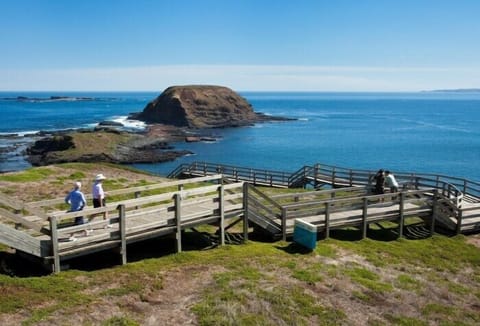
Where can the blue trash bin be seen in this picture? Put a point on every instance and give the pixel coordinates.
(305, 234)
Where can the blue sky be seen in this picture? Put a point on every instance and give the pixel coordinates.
(341, 45)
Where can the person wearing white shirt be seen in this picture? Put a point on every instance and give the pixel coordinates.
(391, 181)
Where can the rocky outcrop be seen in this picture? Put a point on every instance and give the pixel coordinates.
(51, 144)
(112, 146)
(200, 107)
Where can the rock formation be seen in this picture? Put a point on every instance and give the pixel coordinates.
(200, 107)
(101, 146)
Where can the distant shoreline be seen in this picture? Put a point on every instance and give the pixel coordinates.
(458, 90)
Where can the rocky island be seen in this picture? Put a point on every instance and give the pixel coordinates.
(180, 113)
(202, 106)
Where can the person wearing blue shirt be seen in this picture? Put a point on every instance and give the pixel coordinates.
(77, 202)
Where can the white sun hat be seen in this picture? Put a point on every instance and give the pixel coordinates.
(100, 177)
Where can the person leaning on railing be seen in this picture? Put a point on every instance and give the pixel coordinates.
(391, 181)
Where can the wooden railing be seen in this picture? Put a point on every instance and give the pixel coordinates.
(141, 213)
(261, 209)
(253, 176)
(319, 207)
(151, 216)
(322, 174)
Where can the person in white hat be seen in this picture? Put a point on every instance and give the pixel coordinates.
(98, 194)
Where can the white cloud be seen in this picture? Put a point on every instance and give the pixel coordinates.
(242, 78)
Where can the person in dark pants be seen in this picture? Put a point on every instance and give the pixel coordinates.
(99, 195)
(77, 202)
(379, 179)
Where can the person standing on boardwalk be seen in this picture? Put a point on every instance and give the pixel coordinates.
(77, 202)
(379, 179)
(391, 181)
(98, 194)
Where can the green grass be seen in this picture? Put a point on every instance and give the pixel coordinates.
(120, 321)
(368, 279)
(29, 175)
(267, 283)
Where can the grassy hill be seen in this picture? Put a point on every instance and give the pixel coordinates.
(344, 281)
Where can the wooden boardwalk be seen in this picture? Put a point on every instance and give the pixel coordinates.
(198, 201)
(453, 203)
(42, 229)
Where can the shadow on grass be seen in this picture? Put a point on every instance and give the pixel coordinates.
(16, 265)
(295, 248)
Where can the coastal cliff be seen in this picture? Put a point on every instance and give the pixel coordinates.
(201, 106)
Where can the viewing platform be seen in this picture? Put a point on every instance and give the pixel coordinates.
(223, 196)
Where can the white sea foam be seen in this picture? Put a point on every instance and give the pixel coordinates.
(25, 133)
(129, 123)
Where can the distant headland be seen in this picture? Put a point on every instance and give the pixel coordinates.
(55, 98)
(457, 90)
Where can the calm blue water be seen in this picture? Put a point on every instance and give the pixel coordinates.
(423, 132)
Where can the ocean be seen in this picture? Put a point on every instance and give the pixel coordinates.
(428, 132)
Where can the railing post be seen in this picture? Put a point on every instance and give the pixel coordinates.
(284, 224)
(364, 217)
(316, 176)
(434, 211)
(221, 209)
(178, 213)
(401, 213)
(17, 212)
(123, 233)
(137, 195)
(54, 239)
(351, 178)
(459, 222)
(333, 177)
(245, 211)
(327, 220)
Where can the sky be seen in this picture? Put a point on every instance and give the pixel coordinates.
(247, 45)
